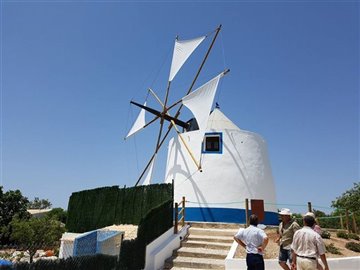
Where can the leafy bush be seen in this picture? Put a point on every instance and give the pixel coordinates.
(353, 246)
(332, 249)
(325, 234)
(354, 236)
(342, 234)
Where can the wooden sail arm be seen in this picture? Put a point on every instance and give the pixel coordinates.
(204, 60)
(161, 115)
(198, 72)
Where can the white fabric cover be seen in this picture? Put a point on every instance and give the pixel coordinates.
(149, 173)
(139, 123)
(182, 50)
(200, 101)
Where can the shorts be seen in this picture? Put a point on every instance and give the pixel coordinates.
(284, 255)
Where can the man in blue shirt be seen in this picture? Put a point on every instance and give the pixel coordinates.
(254, 240)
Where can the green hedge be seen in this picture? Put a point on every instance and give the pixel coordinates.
(96, 208)
(155, 223)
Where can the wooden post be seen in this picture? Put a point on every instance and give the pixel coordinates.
(176, 218)
(347, 220)
(246, 212)
(354, 223)
(309, 207)
(183, 205)
(172, 189)
(341, 222)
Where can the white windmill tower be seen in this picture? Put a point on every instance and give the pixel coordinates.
(212, 162)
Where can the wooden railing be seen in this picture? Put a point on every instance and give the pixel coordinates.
(180, 215)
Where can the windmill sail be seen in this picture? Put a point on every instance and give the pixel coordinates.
(139, 123)
(182, 50)
(149, 172)
(200, 101)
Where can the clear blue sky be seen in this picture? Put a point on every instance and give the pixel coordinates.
(69, 70)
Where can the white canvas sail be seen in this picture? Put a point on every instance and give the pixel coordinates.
(182, 50)
(149, 173)
(200, 101)
(138, 124)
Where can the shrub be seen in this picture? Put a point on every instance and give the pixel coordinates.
(342, 234)
(332, 249)
(325, 234)
(353, 246)
(354, 236)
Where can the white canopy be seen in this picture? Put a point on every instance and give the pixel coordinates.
(139, 123)
(182, 50)
(200, 101)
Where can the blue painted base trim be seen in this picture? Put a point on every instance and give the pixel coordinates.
(227, 215)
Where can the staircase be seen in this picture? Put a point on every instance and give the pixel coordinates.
(205, 247)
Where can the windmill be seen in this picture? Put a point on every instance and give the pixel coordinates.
(213, 163)
(198, 101)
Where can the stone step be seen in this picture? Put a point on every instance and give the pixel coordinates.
(201, 253)
(209, 238)
(212, 232)
(207, 245)
(216, 225)
(195, 263)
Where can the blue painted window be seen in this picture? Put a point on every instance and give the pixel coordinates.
(212, 143)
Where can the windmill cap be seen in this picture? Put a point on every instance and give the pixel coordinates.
(285, 212)
(309, 214)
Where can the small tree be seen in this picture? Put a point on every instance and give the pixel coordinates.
(40, 204)
(58, 214)
(349, 200)
(12, 203)
(36, 233)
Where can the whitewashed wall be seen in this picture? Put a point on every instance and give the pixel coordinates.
(162, 248)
